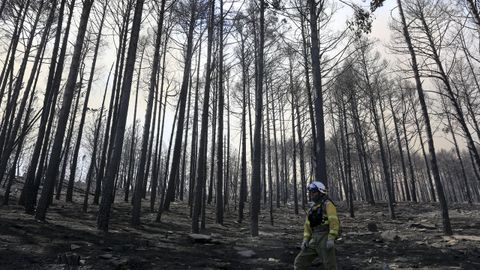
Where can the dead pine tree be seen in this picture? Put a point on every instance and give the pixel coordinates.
(107, 193)
(54, 161)
(28, 197)
(73, 166)
(123, 9)
(240, 27)
(221, 104)
(137, 198)
(447, 229)
(170, 195)
(257, 146)
(93, 161)
(199, 193)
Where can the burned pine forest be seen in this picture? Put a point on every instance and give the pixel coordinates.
(182, 134)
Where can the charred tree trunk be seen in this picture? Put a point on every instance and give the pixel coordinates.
(54, 162)
(93, 161)
(436, 175)
(320, 159)
(137, 198)
(257, 146)
(107, 196)
(199, 194)
(400, 151)
(73, 167)
(170, 195)
(221, 105)
(29, 192)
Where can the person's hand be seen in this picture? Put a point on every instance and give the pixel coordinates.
(305, 244)
(330, 243)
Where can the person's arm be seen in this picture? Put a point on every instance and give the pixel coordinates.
(333, 222)
(307, 230)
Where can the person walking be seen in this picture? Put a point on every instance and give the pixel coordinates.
(320, 230)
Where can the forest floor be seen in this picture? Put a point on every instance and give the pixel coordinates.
(69, 236)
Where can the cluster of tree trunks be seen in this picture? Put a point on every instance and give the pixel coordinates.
(325, 106)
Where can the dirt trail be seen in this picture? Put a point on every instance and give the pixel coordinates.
(413, 240)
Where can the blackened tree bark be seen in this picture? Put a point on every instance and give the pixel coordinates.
(294, 153)
(133, 139)
(29, 192)
(9, 131)
(137, 198)
(66, 151)
(302, 154)
(361, 148)
(372, 96)
(243, 173)
(73, 167)
(117, 79)
(275, 145)
(107, 196)
(269, 153)
(433, 159)
(308, 87)
(320, 159)
(170, 195)
(221, 105)
(26, 126)
(8, 68)
(194, 143)
(466, 188)
(443, 76)
(93, 161)
(257, 146)
(213, 144)
(167, 161)
(12, 135)
(54, 162)
(400, 149)
(199, 193)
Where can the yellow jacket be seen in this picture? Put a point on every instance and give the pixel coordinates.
(332, 220)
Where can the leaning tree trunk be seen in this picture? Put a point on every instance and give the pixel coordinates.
(93, 161)
(386, 170)
(68, 140)
(54, 162)
(170, 195)
(117, 78)
(137, 198)
(107, 193)
(444, 78)
(9, 132)
(457, 151)
(436, 175)
(29, 192)
(73, 167)
(400, 150)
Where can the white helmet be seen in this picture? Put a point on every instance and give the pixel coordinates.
(317, 186)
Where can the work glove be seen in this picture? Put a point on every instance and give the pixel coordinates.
(330, 242)
(305, 244)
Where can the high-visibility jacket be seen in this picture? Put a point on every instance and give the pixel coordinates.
(329, 219)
